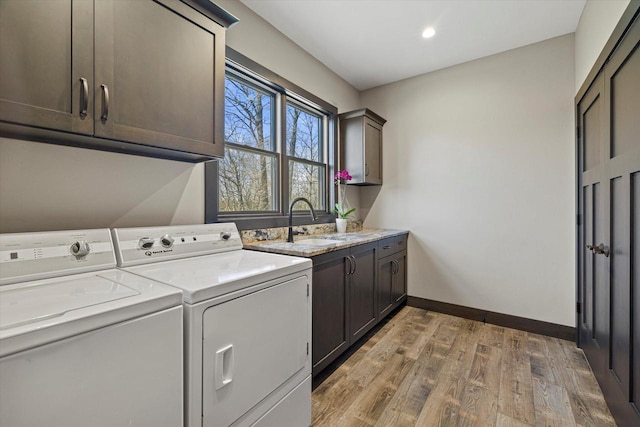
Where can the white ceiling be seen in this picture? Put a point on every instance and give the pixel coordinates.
(373, 42)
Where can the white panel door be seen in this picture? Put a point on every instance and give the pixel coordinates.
(251, 346)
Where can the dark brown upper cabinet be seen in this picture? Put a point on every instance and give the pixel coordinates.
(361, 146)
(138, 76)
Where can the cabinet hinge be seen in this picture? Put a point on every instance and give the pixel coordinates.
(307, 349)
(578, 307)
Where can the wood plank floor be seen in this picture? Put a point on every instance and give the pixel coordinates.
(430, 369)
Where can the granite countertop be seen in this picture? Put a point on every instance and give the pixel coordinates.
(346, 240)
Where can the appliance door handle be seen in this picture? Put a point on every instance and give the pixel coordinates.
(84, 97)
(105, 103)
(224, 367)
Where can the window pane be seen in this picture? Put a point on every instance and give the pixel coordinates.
(303, 134)
(247, 115)
(307, 181)
(246, 181)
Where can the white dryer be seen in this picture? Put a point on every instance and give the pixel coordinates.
(81, 342)
(247, 322)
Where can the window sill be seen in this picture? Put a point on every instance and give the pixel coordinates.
(302, 218)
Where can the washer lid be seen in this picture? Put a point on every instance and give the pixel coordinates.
(37, 302)
(39, 312)
(209, 276)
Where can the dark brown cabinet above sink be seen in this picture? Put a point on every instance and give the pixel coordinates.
(361, 146)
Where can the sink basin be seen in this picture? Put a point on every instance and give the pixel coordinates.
(317, 242)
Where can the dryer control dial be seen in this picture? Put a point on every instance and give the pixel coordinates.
(166, 241)
(146, 243)
(80, 249)
(225, 235)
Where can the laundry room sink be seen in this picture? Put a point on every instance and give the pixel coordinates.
(318, 242)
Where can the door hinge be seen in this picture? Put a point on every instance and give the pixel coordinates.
(578, 307)
(307, 349)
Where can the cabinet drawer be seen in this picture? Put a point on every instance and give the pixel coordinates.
(392, 245)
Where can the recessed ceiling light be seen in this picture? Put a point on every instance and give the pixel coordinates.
(428, 33)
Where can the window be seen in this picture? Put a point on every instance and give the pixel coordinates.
(248, 174)
(305, 151)
(279, 145)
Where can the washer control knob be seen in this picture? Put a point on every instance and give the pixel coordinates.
(146, 243)
(80, 249)
(225, 235)
(166, 241)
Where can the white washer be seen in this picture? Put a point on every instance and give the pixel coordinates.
(81, 342)
(247, 322)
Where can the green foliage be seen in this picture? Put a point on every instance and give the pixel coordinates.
(341, 213)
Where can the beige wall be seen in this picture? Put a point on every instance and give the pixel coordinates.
(49, 187)
(596, 24)
(479, 166)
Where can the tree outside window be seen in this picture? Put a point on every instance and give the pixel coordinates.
(251, 173)
(304, 148)
(247, 176)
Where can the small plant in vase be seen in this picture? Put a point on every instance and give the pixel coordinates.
(342, 207)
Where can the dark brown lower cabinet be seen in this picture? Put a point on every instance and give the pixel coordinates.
(392, 283)
(608, 237)
(329, 308)
(344, 301)
(348, 286)
(362, 290)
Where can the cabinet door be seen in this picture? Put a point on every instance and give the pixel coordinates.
(329, 321)
(399, 278)
(46, 49)
(621, 181)
(372, 152)
(385, 277)
(158, 70)
(594, 289)
(362, 291)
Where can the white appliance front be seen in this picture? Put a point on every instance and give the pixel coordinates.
(125, 374)
(81, 345)
(251, 346)
(247, 322)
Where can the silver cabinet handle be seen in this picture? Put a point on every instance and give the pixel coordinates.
(105, 103)
(350, 265)
(386, 247)
(84, 97)
(396, 266)
(355, 264)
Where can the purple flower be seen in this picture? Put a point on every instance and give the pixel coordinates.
(341, 209)
(343, 174)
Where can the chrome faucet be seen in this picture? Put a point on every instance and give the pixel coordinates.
(314, 217)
